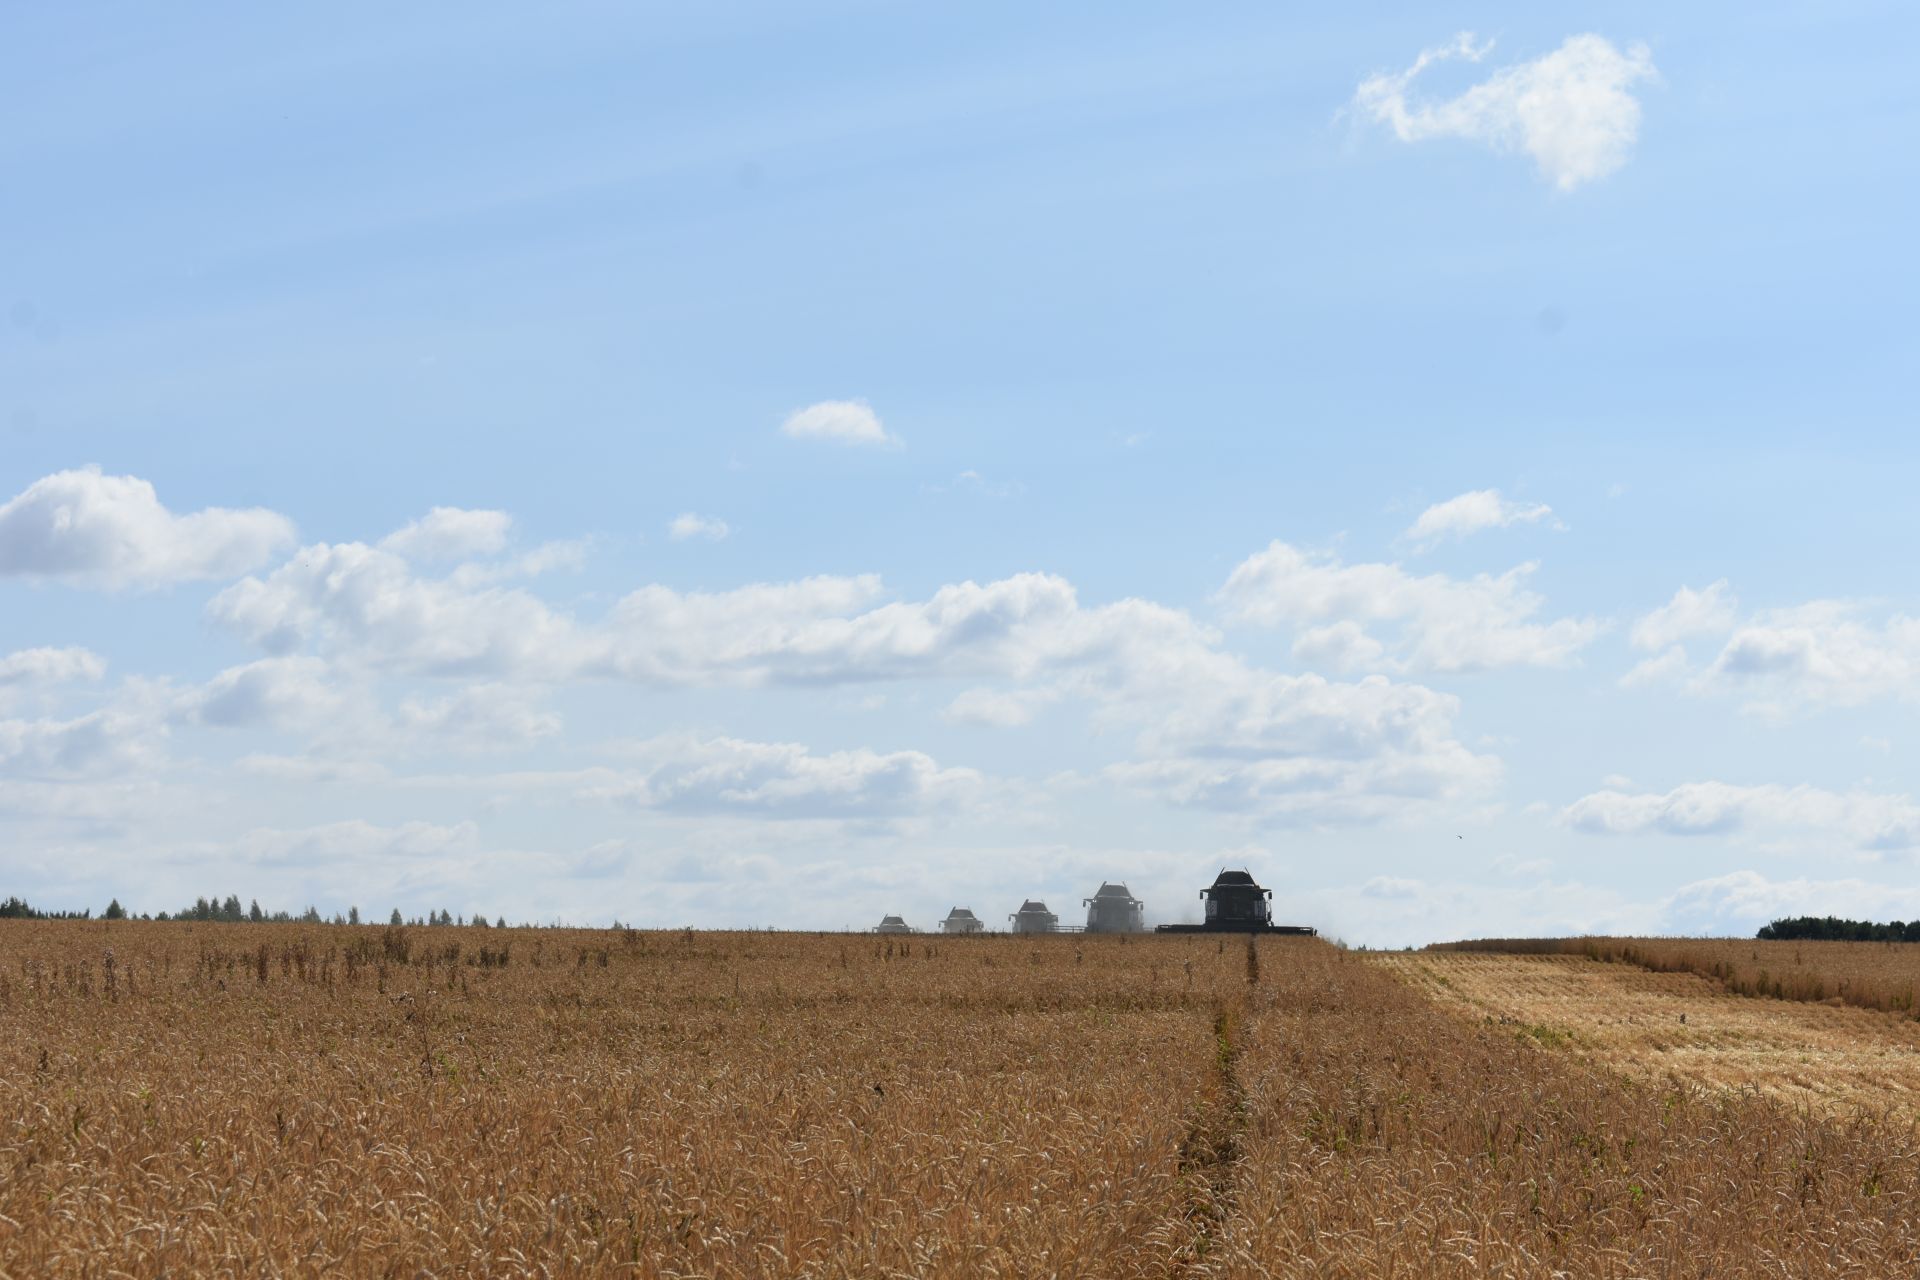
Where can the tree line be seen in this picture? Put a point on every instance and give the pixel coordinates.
(229, 911)
(1834, 929)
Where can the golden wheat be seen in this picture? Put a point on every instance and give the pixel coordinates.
(289, 1100)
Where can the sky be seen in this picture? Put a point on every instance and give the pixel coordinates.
(777, 465)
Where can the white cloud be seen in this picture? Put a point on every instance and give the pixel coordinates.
(995, 709)
(112, 531)
(1441, 623)
(1690, 613)
(1740, 901)
(100, 743)
(1661, 667)
(548, 557)
(1469, 514)
(47, 666)
(1824, 653)
(1572, 110)
(481, 717)
(689, 525)
(450, 533)
(1866, 820)
(291, 692)
(1305, 749)
(1819, 654)
(365, 606)
(784, 780)
(840, 421)
(1219, 733)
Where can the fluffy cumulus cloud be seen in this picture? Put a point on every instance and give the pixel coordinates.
(784, 780)
(1825, 653)
(367, 606)
(1868, 821)
(1806, 657)
(278, 693)
(451, 533)
(1304, 749)
(87, 527)
(1212, 731)
(688, 524)
(839, 422)
(1470, 513)
(1573, 110)
(1434, 622)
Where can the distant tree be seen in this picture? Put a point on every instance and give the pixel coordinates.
(353, 915)
(114, 911)
(501, 923)
(394, 919)
(479, 921)
(254, 913)
(1835, 929)
(230, 909)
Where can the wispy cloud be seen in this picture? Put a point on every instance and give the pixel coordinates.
(1469, 514)
(688, 524)
(1572, 110)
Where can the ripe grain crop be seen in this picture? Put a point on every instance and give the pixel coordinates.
(180, 1099)
(1870, 975)
(287, 1100)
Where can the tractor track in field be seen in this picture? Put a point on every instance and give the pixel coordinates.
(1210, 1152)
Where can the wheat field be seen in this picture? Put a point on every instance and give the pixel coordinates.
(290, 1100)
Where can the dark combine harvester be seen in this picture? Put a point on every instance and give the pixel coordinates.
(1235, 904)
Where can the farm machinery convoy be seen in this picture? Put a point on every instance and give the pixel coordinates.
(1235, 903)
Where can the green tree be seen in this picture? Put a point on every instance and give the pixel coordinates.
(114, 911)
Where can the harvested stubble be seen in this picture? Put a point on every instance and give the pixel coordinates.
(279, 1100)
(1654, 1024)
(1871, 975)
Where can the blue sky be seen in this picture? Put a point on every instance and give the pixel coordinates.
(1117, 447)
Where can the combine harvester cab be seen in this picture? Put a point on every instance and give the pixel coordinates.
(1114, 910)
(1236, 904)
(892, 924)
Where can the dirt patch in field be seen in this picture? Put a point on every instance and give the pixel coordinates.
(1659, 1024)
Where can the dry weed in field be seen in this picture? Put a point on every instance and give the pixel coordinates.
(1653, 1023)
